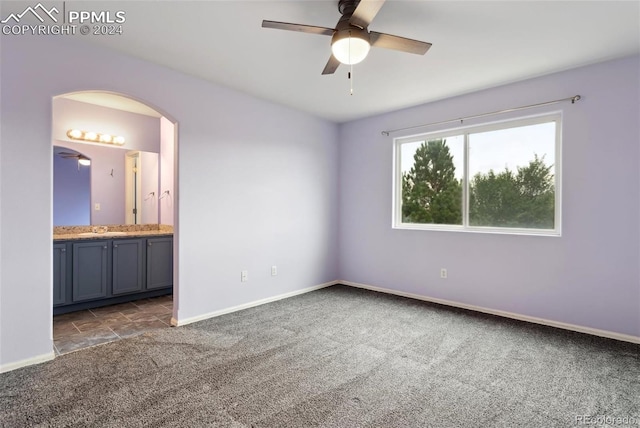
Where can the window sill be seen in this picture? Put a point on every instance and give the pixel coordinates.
(486, 230)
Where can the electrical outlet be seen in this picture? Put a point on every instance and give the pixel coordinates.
(443, 273)
(244, 276)
(274, 270)
(97, 206)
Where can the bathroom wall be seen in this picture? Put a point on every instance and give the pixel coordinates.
(141, 132)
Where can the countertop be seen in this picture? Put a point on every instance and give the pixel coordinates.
(123, 231)
(126, 235)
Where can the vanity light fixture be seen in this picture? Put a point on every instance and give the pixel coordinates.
(76, 134)
(94, 137)
(105, 138)
(90, 136)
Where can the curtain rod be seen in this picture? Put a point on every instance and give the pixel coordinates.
(573, 100)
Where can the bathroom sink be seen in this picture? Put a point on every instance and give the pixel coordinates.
(103, 234)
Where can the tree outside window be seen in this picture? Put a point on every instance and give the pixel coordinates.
(522, 196)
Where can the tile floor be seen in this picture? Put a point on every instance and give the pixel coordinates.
(77, 330)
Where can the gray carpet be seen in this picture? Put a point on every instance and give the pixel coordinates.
(337, 357)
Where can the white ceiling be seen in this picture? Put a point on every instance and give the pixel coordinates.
(476, 45)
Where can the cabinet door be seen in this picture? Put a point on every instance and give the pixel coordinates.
(89, 270)
(59, 274)
(159, 263)
(127, 265)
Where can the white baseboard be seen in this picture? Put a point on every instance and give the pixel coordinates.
(28, 362)
(180, 322)
(512, 315)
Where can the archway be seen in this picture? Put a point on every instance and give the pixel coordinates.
(145, 130)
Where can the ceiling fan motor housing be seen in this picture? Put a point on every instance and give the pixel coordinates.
(351, 31)
(349, 43)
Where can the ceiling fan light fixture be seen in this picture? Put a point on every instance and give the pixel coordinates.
(84, 161)
(350, 46)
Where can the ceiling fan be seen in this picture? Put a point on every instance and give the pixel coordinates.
(82, 159)
(351, 39)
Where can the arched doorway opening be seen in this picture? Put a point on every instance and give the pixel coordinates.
(116, 275)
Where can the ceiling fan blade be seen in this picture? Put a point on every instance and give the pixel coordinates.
(387, 41)
(332, 66)
(365, 12)
(311, 29)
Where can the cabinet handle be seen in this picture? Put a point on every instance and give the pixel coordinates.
(149, 243)
(105, 247)
(115, 245)
(63, 250)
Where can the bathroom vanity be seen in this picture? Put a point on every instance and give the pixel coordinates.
(98, 269)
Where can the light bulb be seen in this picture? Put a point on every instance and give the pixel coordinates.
(91, 136)
(84, 161)
(105, 138)
(74, 133)
(350, 46)
(118, 140)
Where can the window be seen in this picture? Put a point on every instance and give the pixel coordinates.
(500, 177)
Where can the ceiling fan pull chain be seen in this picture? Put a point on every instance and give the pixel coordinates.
(350, 67)
(351, 79)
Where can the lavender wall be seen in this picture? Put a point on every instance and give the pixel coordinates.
(588, 276)
(72, 187)
(257, 186)
(141, 132)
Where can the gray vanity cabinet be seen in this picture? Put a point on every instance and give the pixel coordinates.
(89, 273)
(127, 266)
(90, 270)
(159, 263)
(59, 274)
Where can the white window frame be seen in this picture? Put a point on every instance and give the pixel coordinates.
(465, 131)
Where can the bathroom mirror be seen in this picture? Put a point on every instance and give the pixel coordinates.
(71, 187)
(96, 194)
(120, 191)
